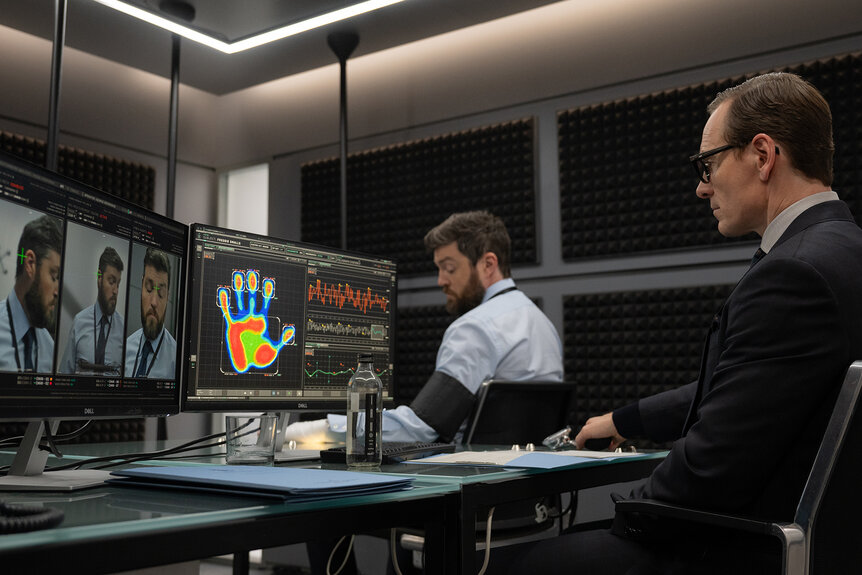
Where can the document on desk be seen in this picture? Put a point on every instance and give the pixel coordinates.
(526, 459)
(291, 484)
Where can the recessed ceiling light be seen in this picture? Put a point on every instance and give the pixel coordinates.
(252, 41)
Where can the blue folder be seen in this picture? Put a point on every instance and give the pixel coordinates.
(288, 483)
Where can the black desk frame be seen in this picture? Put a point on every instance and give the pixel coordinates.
(534, 485)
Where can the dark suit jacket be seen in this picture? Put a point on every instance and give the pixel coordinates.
(747, 431)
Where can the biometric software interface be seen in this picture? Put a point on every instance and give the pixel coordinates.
(276, 325)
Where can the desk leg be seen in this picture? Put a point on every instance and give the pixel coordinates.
(467, 531)
(240, 563)
(441, 539)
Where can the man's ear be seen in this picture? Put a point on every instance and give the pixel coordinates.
(488, 264)
(767, 152)
(491, 259)
(30, 264)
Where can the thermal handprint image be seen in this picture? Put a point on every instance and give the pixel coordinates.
(247, 329)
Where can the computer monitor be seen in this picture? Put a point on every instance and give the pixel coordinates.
(92, 291)
(276, 325)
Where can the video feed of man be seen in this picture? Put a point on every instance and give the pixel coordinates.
(152, 317)
(30, 263)
(92, 316)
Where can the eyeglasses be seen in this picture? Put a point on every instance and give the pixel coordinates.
(701, 168)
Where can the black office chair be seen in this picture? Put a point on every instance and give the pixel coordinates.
(518, 412)
(824, 537)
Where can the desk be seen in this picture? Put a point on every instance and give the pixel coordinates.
(111, 528)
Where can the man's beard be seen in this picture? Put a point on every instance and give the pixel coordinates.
(470, 298)
(106, 305)
(151, 329)
(37, 313)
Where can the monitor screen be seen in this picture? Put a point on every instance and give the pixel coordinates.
(276, 325)
(92, 301)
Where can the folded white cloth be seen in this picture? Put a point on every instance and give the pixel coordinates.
(307, 431)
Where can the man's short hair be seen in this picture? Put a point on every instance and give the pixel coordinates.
(159, 261)
(110, 257)
(41, 235)
(789, 110)
(475, 234)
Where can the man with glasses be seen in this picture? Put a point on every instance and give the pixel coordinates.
(746, 432)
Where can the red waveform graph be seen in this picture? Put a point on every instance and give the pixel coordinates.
(339, 295)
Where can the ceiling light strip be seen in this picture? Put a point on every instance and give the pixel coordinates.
(253, 41)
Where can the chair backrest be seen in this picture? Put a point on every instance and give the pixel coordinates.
(830, 507)
(509, 412)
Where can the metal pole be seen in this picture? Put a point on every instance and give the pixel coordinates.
(343, 44)
(56, 76)
(342, 135)
(172, 127)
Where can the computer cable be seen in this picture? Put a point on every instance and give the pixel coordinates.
(49, 444)
(346, 555)
(15, 441)
(51, 441)
(570, 509)
(487, 542)
(20, 518)
(121, 459)
(393, 553)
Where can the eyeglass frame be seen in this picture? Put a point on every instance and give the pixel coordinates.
(701, 168)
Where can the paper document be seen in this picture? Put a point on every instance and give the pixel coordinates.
(528, 459)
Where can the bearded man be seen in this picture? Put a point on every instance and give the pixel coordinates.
(96, 337)
(151, 350)
(499, 334)
(28, 314)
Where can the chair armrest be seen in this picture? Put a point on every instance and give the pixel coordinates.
(667, 510)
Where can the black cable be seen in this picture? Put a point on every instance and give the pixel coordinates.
(131, 457)
(574, 507)
(566, 510)
(49, 438)
(72, 434)
(15, 441)
(20, 518)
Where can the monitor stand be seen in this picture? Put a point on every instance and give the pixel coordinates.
(282, 453)
(27, 472)
(283, 421)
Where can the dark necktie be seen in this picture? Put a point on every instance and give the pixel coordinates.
(29, 338)
(100, 346)
(145, 356)
(757, 255)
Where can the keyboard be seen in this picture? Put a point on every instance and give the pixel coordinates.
(393, 451)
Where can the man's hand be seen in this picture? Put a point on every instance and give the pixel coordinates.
(599, 427)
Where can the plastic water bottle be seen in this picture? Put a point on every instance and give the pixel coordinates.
(364, 415)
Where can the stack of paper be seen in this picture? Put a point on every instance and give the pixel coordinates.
(285, 482)
(527, 459)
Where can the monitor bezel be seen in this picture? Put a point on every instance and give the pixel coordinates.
(250, 405)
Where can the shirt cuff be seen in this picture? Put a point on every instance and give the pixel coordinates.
(628, 422)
